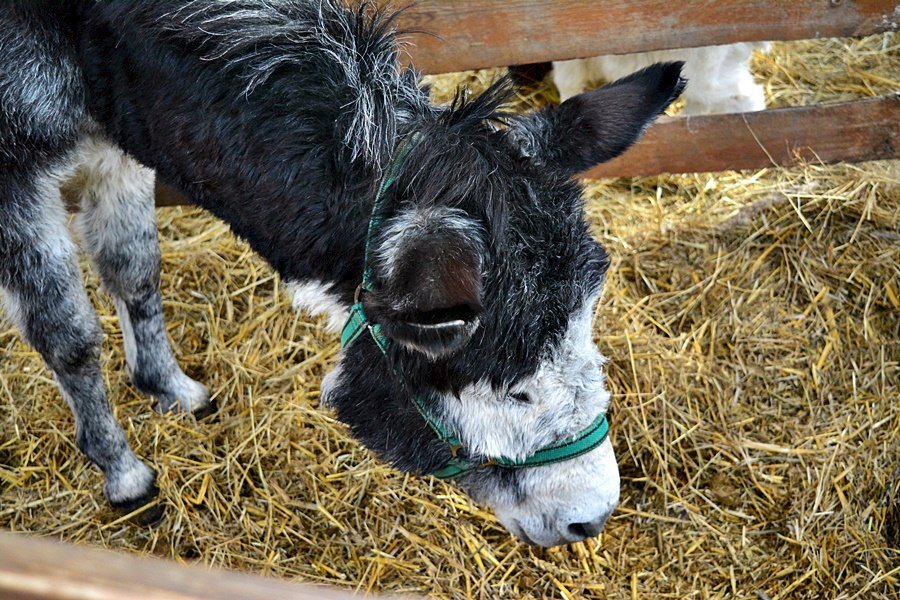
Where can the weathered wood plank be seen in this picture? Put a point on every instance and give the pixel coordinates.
(848, 131)
(33, 569)
(494, 33)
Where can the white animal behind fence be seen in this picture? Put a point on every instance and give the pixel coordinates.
(719, 77)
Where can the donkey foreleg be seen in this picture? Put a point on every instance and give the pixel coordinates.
(117, 224)
(44, 294)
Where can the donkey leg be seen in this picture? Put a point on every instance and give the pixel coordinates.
(118, 226)
(44, 294)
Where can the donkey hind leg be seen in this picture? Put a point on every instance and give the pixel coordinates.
(117, 224)
(44, 294)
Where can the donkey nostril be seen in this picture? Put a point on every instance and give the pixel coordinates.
(582, 531)
(579, 530)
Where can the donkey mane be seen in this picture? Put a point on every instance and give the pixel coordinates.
(351, 53)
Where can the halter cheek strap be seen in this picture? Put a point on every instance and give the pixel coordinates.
(460, 461)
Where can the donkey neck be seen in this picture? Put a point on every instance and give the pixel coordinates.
(309, 217)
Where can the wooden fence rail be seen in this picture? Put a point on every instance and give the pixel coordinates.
(33, 569)
(466, 34)
(828, 133)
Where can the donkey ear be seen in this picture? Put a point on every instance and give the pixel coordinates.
(597, 126)
(428, 267)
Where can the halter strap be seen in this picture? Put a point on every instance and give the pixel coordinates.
(459, 464)
(403, 151)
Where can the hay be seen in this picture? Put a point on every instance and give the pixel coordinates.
(752, 322)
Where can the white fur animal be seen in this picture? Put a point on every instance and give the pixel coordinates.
(719, 77)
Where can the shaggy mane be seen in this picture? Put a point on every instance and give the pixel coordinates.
(343, 56)
(351, 49)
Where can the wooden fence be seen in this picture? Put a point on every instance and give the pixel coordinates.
(34, 569)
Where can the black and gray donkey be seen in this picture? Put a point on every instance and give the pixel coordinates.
(285, 118)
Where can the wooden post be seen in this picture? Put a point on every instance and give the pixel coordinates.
(33, 569)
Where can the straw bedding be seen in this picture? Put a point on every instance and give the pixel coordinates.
(752, 323)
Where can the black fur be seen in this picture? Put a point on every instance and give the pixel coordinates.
(597, 126)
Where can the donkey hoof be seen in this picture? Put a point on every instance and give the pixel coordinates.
(210, 409)
(152, 514)
(181, 394)
(130, 485)
(152, 517)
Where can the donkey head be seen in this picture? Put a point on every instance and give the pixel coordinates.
(482, 281)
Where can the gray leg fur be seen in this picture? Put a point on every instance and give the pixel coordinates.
(44, 294)
(117, 224)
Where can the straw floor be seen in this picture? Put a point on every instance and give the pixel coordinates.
(752, 324)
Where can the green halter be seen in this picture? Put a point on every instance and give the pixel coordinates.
(584, 441)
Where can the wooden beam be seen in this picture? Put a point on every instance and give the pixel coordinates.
(844, 132)
(33, 569)
(466, 34)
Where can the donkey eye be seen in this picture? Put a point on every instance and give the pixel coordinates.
(520, 397)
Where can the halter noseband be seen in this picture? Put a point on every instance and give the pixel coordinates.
(458, 465)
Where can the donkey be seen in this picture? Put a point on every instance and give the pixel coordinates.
(456, 234)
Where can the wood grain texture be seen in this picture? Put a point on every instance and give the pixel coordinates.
(33, 569)
(467, 34)
(844, 132)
